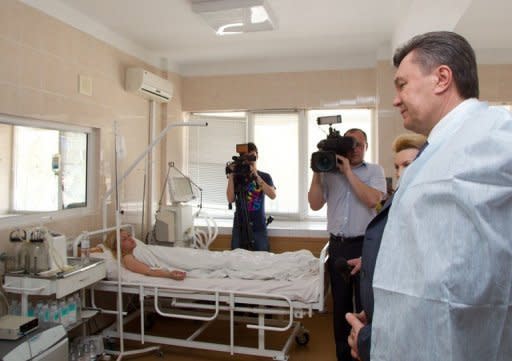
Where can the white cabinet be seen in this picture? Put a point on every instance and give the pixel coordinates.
(62, 285)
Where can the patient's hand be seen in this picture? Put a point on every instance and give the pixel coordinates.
(177, 275)
(96, 249)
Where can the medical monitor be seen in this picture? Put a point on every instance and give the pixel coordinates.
(180, 190)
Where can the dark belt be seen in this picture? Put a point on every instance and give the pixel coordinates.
(344, 239)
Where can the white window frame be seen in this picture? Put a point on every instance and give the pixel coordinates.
(210, 117)
(303, 161)
(23, 218)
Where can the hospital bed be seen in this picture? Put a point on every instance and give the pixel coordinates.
(266, 306)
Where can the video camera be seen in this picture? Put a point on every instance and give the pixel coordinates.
(240, 167)
(325, 160)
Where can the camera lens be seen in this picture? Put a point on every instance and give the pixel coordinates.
(323, 161)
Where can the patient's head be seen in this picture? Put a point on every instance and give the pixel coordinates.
(127, 242)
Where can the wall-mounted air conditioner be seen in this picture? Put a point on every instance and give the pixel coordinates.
(148, 85)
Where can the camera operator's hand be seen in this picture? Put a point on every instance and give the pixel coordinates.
(254, 170)
(343, 164)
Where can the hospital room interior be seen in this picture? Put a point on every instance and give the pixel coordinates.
(122, 118)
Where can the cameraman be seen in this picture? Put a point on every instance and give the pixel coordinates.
(351, 194)
(256, 187)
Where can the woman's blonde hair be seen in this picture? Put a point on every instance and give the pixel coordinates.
(408, 141)
(111, 241)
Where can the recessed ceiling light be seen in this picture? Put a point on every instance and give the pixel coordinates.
(236, 16)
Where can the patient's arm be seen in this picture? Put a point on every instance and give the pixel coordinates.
(137, 266)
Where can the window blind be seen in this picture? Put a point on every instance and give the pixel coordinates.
(210, 148)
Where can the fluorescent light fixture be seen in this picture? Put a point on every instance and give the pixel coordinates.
(229, 29)
(235, 16)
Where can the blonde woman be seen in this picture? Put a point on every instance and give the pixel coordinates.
(128, 244)
(406, 148)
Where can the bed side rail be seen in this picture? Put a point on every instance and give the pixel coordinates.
(219, 297)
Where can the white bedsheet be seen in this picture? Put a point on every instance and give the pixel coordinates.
(303, 289)
(238, 263)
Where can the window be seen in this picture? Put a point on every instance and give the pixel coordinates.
(46, 166)
(277, 137)
(285, 141)
(209, 149)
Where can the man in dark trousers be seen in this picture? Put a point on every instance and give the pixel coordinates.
(351, 194)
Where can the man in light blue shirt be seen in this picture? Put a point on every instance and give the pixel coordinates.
(443, 277)
(351, 192)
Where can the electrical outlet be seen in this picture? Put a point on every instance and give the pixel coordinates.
(85, 85)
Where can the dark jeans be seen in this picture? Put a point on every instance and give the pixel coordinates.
(260, 240)
(343, 292)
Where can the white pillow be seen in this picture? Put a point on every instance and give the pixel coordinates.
(110, 261)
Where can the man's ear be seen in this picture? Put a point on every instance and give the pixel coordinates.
(444, 78)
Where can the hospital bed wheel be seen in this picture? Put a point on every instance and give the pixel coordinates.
(302, 339)
(160, 353)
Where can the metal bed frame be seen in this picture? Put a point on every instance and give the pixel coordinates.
(209, 305)
(222, 300)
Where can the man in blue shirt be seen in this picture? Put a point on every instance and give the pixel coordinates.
(251, 189)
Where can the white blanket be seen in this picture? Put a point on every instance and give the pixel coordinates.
(239, 263)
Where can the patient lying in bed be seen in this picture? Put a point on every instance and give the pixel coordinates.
(130, 261)
(199, 263)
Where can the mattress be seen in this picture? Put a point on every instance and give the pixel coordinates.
(306, 289)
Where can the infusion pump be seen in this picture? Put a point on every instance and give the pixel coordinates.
(174, 224)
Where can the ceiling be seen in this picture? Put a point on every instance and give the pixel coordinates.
(311, 35)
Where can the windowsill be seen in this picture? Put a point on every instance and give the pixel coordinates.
(307, 229)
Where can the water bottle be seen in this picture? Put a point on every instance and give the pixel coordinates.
(63, 313)
(30, 310)
(54, 313)
(87, 351)
(45, 311)
(80, 353)
(73, 356)
(78, 302)
(85, 251)
(38, 313)
(92, 350)
(72, 310)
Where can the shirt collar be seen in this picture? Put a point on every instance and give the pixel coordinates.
(451, 121)
(362, 164)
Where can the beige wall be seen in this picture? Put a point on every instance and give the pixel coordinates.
(327, 89)
(496, 83)
(40, 61)
(315, 89)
